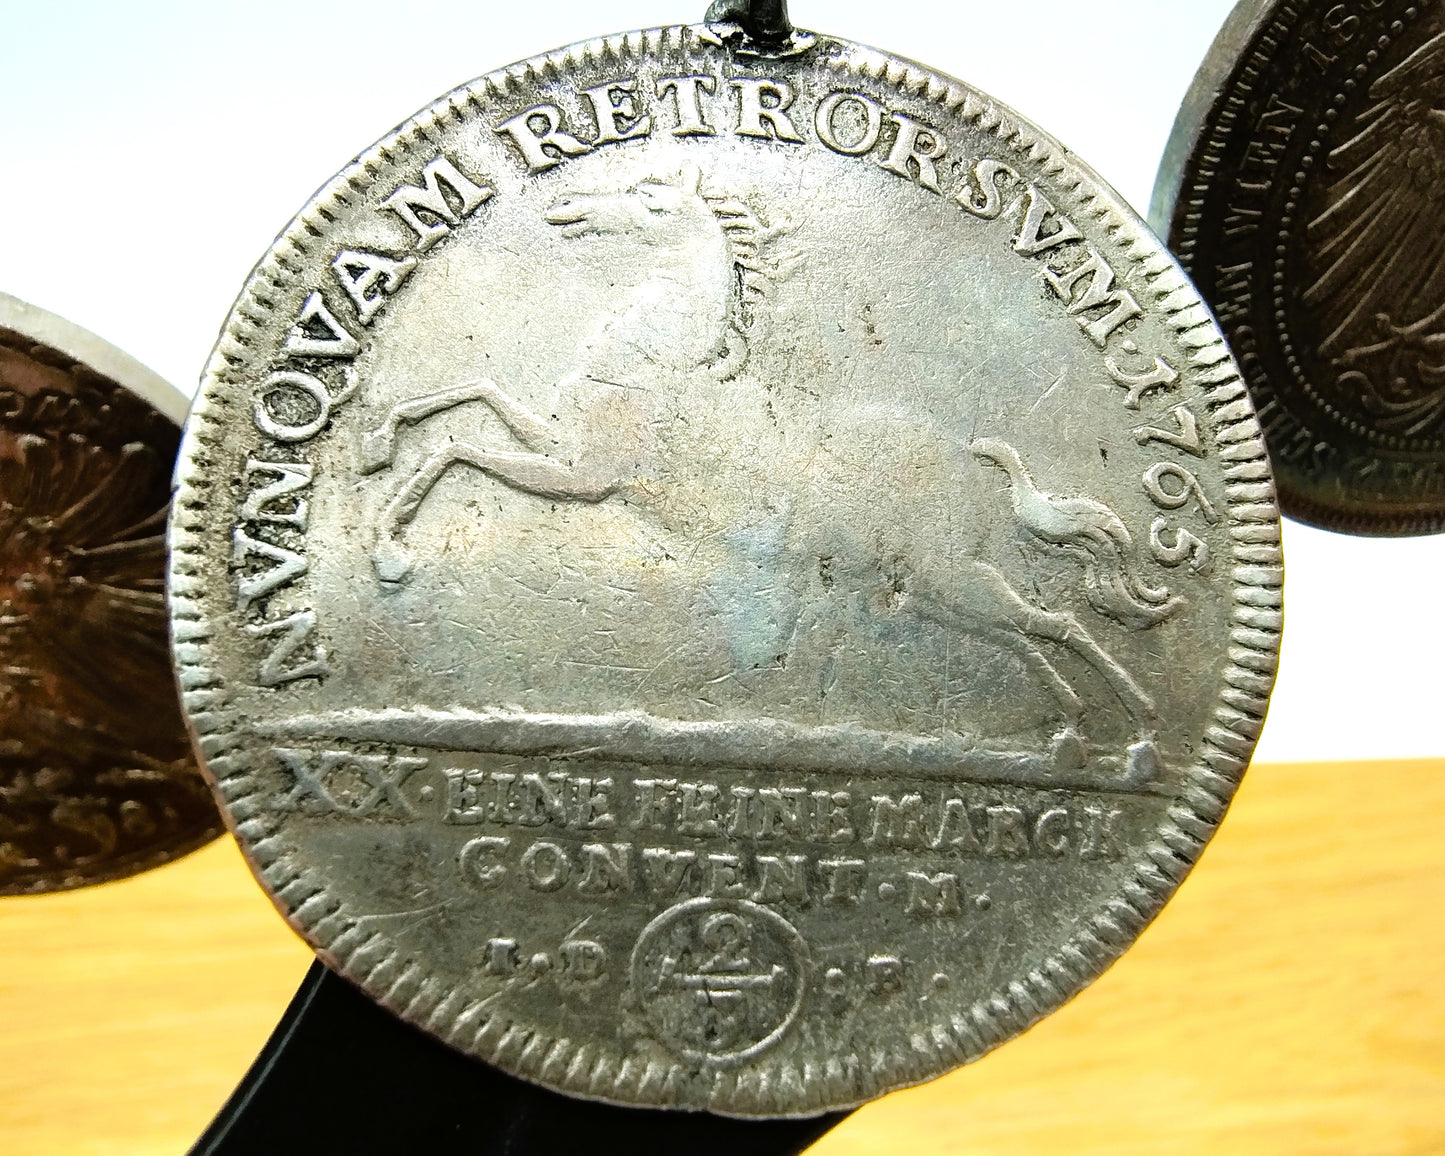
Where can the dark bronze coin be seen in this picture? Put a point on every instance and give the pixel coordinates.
(97, 779)
(1304, 191)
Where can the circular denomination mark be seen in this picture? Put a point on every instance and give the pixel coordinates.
(720, 980)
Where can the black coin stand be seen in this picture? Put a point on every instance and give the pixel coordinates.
(341, 1074)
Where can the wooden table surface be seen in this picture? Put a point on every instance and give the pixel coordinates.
(1291, 1000)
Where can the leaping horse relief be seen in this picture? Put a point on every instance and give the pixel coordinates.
(705, 296)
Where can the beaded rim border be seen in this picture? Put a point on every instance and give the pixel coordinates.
(774, 1089)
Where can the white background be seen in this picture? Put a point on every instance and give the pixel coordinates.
(150, 151)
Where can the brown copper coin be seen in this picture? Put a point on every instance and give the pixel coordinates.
(97, 779)
(1304, 191)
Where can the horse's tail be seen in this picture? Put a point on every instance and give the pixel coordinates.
(1114, 590)
(1083, 526)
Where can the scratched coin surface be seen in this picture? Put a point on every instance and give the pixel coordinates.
(1304, 191)
(97, 778)
(719, 581)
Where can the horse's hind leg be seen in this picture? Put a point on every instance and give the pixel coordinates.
(1069, 751)
(990, 600)
(1143, 764)
(996, 602)
(1140, 705)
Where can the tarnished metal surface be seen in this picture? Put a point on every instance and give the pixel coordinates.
(717, 581)
(97, 779)
(1304, 191)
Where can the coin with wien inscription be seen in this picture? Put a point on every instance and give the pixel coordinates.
(1303, 189)
(722, 580)
(97, 779)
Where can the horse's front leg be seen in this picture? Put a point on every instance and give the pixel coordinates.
(587, 478)
(378, 446)
(392, 563)
(546, 477)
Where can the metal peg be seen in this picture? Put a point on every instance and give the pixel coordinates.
(764, 21)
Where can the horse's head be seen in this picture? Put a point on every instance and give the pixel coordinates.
(656, 211)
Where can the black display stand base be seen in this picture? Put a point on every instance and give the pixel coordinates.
(341, 1074)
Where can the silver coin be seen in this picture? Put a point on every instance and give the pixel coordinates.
(717, 581)
(1302, 190)
(97, 778)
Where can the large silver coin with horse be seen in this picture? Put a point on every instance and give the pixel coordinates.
(97, 776)
(1304, 190)
(722, 581)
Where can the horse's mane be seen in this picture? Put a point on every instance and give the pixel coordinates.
(750, 244)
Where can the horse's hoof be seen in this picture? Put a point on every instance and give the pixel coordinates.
(376, 451)
(1068, 751)
(1143, 765)
(393, 565)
